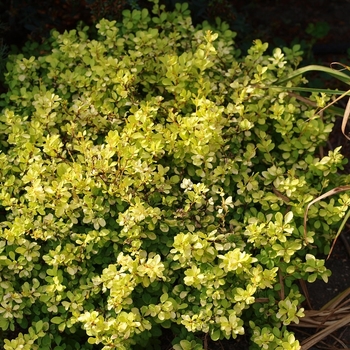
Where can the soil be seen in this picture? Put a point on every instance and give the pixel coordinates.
(278, 22)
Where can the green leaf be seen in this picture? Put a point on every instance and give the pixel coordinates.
(46, 341)
(62, 169)
(57, 320)
(4, 323)
(167, 82)
(61, 327)
(316, 68)
(164, 298)
(39, 326)
(215, 335)
(91, 340)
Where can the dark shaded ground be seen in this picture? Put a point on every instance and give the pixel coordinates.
(287, 21)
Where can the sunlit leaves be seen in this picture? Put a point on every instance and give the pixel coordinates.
(152, 178)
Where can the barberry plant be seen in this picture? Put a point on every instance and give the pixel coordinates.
(153, 177)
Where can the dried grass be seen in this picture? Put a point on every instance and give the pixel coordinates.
(329, 319)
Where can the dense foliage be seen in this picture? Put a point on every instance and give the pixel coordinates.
(153, 178)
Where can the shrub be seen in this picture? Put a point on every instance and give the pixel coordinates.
(154, 178)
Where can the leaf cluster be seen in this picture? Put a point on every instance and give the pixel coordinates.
(154, 178)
